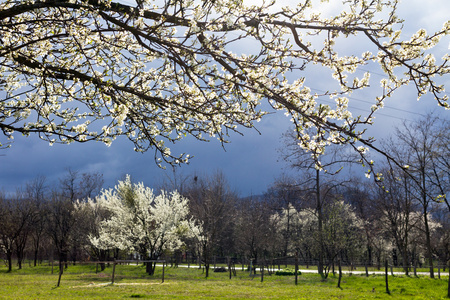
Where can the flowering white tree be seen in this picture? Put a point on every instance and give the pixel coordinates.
(419, 243)
(342, 232)
(411, 229)
(92, 213)
(141, 221)
(297, 228)
(80, 70)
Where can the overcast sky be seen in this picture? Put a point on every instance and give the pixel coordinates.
(250, 162)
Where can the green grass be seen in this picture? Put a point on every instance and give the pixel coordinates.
(131, 282)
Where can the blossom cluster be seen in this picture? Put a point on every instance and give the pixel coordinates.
(80, 70)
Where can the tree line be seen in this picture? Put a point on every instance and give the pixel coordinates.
(317, 215)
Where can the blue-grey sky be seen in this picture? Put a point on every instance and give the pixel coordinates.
(250, 162)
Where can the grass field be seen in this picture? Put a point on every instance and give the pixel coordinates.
(131, 281)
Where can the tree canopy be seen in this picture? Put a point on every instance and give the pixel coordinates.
(141, 221)
(157, 71)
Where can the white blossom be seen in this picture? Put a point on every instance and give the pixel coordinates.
(142, 221)
(157, 73)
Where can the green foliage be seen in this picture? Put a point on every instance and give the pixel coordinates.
(128, 195)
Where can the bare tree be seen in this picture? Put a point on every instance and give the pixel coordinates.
(212, 203)
(396, 206)
(253, 233)
(319, 163)
(420, 140)
(360, 195)
(7, 232)
(69, 185)
(76, 186)
(176, 181)
(36, 191)
(61, 223)
(90, 185)
(440, 162)
(37, 188)
(443, 236)
(15, 220)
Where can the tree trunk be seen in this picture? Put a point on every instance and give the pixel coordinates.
(332, 267)
(425, 216)
(320, 224)
(35, 257)
(340, 273)
(386, 276)
(103, 255)
(428, 241)
(404, 249)
(19, 253)
(206, 269)
(9, 259)
(61, 270)
(405, 261)
(369, 255)
(19, 263)
(366, 269)
(63, 259)
(150, 268)
(448, 288)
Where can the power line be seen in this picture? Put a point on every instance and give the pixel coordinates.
(377, 113)
(368, 102)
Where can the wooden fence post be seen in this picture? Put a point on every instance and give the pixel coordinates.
(448, 289)
(340, 273)
(273, 265)
(163, 274)
(415, 267)
(262, 272)
(386, 276)
(113, 272)
(229, 265)
(296, 268)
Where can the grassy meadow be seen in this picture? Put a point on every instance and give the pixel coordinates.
(131, 281)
